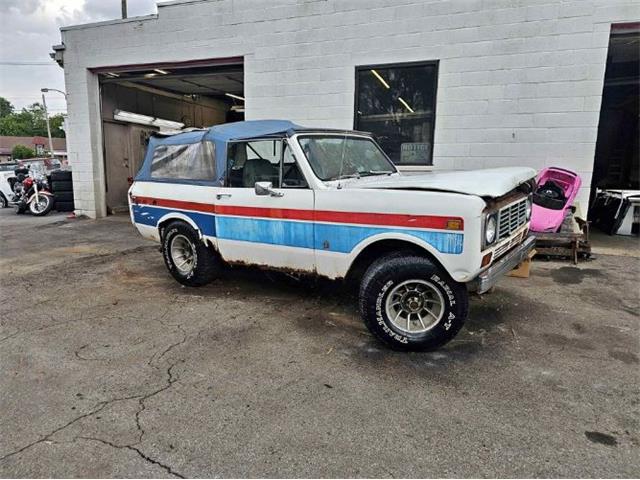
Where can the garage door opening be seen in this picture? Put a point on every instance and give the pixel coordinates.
(616, 164)
(139, 100)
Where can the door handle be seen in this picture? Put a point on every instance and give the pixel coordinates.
(220, 196)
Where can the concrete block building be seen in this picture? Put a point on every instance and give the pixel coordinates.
(447, 84)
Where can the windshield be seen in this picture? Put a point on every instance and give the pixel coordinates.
(333, 157)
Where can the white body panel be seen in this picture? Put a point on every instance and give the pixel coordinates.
(323, 229)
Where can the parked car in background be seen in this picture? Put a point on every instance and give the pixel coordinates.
(330, 203)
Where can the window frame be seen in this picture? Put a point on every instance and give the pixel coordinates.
(422, 63)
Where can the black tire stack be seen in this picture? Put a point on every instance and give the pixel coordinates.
(62, 188)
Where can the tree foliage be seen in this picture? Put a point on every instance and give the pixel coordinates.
(22, 151)
(29, 122)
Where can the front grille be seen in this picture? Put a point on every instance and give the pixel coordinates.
(511, 217)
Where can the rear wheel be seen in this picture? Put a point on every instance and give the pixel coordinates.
(187, 258)
(411, 304)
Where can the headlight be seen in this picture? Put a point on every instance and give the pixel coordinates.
(528, 208)
(490, 229)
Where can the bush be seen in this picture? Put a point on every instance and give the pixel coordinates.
(21, 151)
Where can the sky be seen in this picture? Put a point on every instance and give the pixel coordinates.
(28, 29)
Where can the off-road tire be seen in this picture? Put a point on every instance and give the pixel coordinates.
(62, 186)
(207, 265)
(389, 271)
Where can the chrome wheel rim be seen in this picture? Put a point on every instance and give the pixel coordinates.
(415, 306)
(183, 254)
(40, 205)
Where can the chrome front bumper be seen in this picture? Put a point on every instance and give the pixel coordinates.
(511, 260)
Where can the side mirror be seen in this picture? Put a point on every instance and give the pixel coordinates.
(266, 188)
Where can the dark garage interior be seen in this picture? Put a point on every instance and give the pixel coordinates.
(616, 161)
(139, 100)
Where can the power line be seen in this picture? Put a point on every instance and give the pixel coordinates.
(47, 64)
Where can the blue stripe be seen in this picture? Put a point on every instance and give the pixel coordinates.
(329, 237)
(148, 215)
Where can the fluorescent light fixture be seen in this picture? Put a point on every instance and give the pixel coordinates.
(159, 122)
(112, 75)
(131, 117)
(159, 70)
(379, 77)
(401, 100)
(150, 75)
(238, 97)
(237, 108)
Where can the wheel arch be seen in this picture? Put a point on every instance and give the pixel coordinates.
(373, 248)
(173, 216)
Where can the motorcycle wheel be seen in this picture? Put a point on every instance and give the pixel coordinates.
(41, 207)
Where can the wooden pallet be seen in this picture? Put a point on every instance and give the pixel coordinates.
(566, 243)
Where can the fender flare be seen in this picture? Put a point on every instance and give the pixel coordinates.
(179, 216)
(41, 192)
(418, 242)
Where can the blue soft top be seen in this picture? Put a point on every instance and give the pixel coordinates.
(220, 135)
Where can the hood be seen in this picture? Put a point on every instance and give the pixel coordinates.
(490, 182)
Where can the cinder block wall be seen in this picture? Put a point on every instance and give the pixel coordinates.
(520, 81)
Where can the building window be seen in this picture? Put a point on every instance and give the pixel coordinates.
(397, 104)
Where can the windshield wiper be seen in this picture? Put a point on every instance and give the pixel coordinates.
(376, 172)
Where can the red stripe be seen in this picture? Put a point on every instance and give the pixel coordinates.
(386, 219)
(163, 202)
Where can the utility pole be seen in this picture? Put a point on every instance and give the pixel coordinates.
(46, 116)
(124, 8)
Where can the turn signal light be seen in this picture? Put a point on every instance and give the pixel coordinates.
(454, 224)
(486, 260)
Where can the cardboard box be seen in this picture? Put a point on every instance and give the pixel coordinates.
(522, 270)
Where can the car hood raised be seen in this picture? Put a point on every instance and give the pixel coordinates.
(490, 182)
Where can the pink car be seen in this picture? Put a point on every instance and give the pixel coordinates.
(557, 188)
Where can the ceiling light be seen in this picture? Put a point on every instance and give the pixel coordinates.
(405, 104)
(131, 117)
(238, 97)
(112, 75)
(377, 75)
(159, 70)
(150, 75)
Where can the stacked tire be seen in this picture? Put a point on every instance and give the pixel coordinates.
(62, 188)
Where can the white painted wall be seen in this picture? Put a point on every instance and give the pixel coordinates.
(520, 81)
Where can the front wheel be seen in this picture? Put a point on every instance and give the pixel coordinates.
(187, 258)
(41, 205)
(411, 304)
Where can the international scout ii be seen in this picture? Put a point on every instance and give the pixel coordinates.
(331, 203)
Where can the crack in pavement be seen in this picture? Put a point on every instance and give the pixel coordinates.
(101, 406)
(142, 455)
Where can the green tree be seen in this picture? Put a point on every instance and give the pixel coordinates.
(30, 121)
(6, 108)
(22, 151)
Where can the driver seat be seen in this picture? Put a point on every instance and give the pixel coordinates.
(257, 170)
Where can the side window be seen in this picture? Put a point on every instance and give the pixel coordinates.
(195, 161)
(255, 161)
(260, 161)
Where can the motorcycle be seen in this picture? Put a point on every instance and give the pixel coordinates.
(31, 191)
